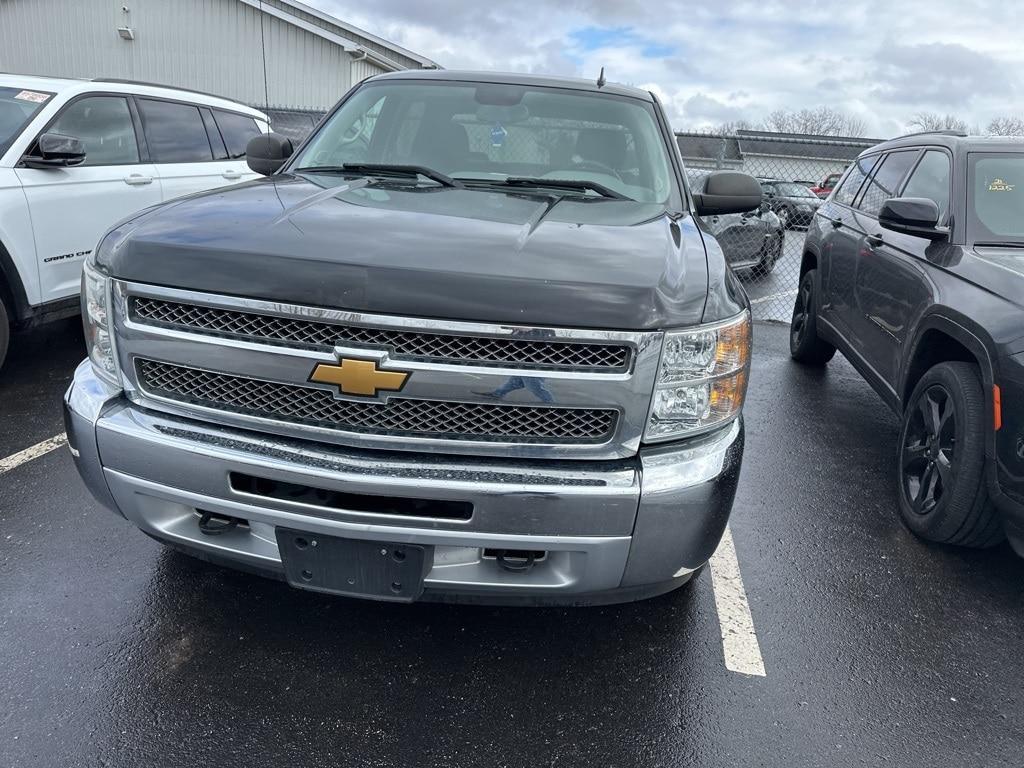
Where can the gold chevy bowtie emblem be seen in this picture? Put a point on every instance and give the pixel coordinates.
(358, 377)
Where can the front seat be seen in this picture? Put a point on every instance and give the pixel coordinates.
(443, 146)
(605, 147)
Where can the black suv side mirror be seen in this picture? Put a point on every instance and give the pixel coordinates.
(55, 150)
(916, 216)
(728, 192)
(266, 153)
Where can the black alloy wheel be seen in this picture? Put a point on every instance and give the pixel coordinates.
(941, 462)
(929, 450)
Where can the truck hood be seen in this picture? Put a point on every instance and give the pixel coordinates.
(489, 255)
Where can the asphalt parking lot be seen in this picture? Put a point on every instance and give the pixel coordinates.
(876, 648)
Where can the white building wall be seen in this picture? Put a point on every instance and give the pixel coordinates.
(207, 45)
(364, 69)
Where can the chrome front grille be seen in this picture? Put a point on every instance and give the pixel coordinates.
(398, 416)
(403, 344)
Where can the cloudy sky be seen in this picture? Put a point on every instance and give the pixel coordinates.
(732, 60)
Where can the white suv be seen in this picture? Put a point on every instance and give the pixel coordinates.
(76, 156)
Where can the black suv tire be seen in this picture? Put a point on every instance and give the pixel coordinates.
(940, 463)
(804, 344)
(5, 331)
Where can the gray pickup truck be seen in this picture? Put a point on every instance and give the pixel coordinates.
(468, 342)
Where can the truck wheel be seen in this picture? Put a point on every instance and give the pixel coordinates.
(5, 332)
(941, 461)
(804, 345)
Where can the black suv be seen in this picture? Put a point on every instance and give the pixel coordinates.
(914, 269)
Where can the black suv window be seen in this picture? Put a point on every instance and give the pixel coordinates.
(236, 130)
(104, 125)
(995, 197)
(931, 180)
(175, 132)
(851, 185)
(886, 180)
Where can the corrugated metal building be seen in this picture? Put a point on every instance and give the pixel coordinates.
(309, 59)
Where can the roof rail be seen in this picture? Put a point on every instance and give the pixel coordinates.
(945, 132)
(125, 81)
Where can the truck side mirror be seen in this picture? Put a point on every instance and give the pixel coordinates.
(267, 152)
(55, 150)
(728, 192)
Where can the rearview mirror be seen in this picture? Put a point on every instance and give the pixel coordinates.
(916, 216)
(728, 192)
(267, 152)
(55, 150)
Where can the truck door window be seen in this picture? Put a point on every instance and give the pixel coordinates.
(104, 126)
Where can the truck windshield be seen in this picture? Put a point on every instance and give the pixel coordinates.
(995, 201)
(17, 107)
(487, 133)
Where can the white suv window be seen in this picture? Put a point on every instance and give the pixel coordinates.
(104, 126)
(175, 132)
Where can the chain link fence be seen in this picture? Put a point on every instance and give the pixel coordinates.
(797, 172)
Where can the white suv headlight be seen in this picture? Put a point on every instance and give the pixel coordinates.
(702, 379)
(96, 318)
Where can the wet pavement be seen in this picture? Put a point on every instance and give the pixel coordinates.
(878, 649)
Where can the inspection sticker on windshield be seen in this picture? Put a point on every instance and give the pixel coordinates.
(35, 96)
(498, 135)
(998, 185)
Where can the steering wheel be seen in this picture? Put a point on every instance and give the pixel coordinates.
(596, 165)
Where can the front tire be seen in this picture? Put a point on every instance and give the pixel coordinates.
(804, 345)
(941, 461)
(5, 332)
(785, 217)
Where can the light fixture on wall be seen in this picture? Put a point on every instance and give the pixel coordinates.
(125, 32)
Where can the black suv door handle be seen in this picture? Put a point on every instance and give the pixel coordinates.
(875, 240)
(836, 222)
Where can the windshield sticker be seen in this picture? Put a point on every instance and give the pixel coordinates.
(33, 96)
(498, 135)
(998, 185)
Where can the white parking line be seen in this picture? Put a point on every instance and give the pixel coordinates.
(773, 297)
(32, 452)
(739, 641)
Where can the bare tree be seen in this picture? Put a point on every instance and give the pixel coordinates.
(930, 121)
(823, 121)
(1006, 126)
(732, 126)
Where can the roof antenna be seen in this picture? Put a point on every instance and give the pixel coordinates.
(600, 79)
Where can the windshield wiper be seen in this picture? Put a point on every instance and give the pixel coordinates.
(1004, 244)
(384, 169)
(570, 184)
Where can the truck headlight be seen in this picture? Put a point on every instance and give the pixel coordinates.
(96, 318)
(702, 380)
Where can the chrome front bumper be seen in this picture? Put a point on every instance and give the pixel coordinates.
(611, 530)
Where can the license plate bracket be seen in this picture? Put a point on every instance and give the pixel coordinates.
(378, 570)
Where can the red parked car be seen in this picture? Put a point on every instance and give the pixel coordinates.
(825, 186)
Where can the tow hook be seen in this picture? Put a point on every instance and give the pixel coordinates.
(212, 524)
